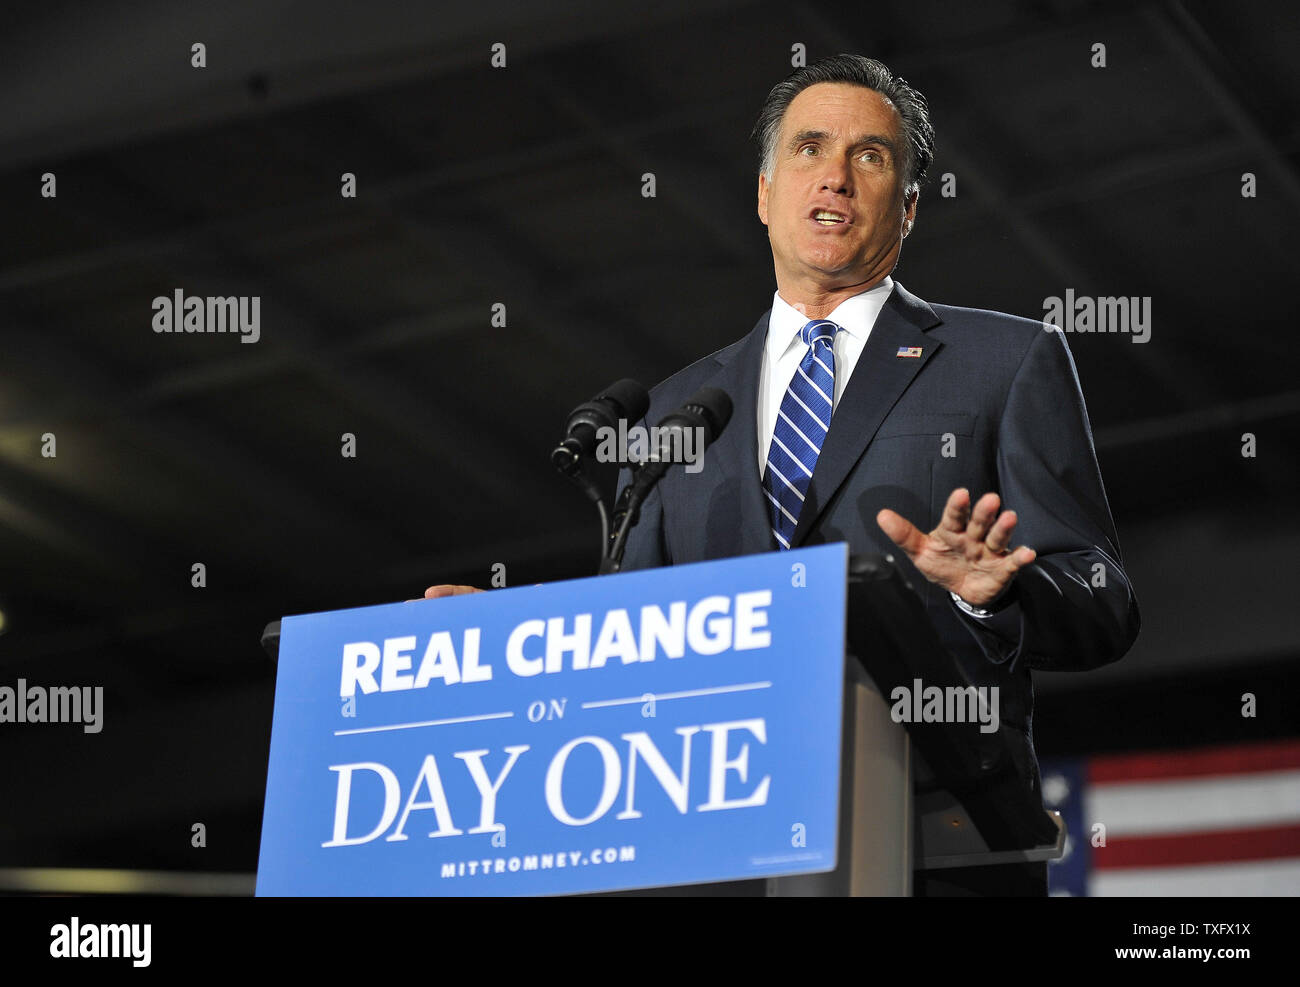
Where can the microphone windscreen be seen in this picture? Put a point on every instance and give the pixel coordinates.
(714, 406)
(631, 399)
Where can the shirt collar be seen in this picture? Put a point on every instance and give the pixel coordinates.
(854, 315)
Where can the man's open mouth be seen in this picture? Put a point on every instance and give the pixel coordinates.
(828, 217)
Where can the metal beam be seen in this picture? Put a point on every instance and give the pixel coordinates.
(1239, 414)
(291, 318)
(1188, 42)
(36, 356)
(316, 215)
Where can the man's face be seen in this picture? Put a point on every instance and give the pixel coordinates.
(839, 150)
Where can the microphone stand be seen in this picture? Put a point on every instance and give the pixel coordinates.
(570, 464)
(626, 514)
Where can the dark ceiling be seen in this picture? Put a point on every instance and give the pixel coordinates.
(522, 186)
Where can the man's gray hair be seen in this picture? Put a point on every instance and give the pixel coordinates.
(857, 70)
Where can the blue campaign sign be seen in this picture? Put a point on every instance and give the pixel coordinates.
(671, 726)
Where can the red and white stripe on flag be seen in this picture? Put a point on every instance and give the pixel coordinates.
(1213, 821)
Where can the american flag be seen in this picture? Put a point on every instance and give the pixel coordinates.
(1209, 821)
(908, 351)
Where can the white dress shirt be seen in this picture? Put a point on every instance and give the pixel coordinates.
(784, 350)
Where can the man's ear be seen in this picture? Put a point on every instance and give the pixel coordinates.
(762, 198)
(909, 210)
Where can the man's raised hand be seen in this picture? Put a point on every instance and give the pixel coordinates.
(968, 553)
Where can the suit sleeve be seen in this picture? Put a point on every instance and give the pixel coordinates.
(1073, 608)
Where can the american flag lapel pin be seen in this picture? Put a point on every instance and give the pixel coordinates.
(908, 351)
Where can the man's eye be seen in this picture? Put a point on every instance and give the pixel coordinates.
(808, 147)
(872, 156)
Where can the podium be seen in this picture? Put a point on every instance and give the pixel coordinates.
(914, 797)
(911, 797)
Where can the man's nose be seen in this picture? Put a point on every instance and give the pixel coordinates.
(838, 178)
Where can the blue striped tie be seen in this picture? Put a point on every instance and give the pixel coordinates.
(801, 426)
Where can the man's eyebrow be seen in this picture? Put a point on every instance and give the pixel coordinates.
(807, 135)
(821, 135)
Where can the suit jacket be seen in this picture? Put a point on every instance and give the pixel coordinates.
(1000, 396)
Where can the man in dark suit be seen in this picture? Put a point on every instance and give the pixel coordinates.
(864, 414)
(879, 424)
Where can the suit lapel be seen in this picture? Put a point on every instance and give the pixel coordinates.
(737, 448)
(879, 379)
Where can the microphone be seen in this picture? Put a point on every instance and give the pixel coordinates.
(624, 399)
(708, 411)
